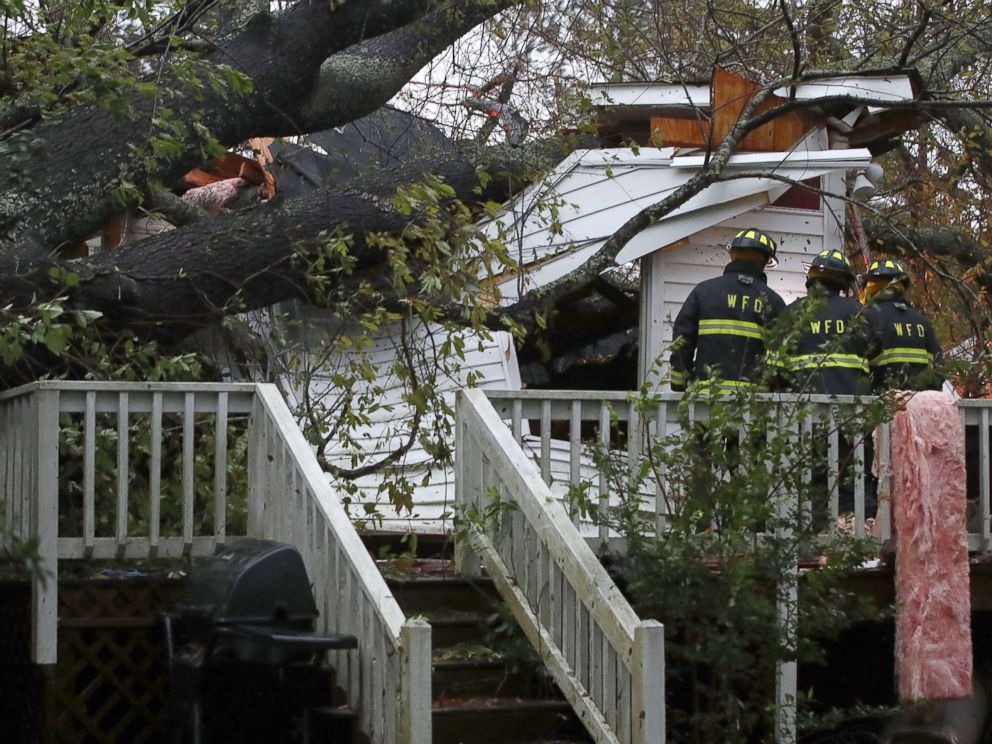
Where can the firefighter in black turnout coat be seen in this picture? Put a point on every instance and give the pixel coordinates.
(905, 348)
(830, 354)
(719, 331)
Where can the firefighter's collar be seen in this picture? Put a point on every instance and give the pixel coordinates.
(745, 267)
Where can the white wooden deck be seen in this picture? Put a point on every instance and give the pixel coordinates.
(608, 661)
(107, 429)
(532, 416)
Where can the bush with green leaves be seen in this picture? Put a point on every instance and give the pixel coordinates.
(737, 477)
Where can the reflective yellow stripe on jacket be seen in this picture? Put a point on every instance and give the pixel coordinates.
(728, 327)
(778, 359)
(722, 386)
(814, 361)
(902, 355)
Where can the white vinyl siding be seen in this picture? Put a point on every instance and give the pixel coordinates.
(800, 236)
(490, 363)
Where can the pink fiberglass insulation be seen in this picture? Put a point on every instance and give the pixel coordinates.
(933, 628)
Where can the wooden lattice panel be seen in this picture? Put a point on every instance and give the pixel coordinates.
(125, 601)
(110, 683)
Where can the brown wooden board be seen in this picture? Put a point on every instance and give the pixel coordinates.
(230, 165)
(730, 94)
(669, 131)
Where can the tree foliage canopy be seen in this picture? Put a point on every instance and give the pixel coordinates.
(104, 104)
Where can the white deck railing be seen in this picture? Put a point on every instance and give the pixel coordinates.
(549, 424)
(290, 501)
(608, 663)
(129, 453)
(555, 431)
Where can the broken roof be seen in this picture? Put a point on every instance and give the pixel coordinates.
(594, 192)
(855, 107)
(891, 87)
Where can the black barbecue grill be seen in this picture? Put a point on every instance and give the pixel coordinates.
(245, 664)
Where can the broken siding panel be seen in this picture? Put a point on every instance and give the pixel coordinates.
(884, 88)
(486, 367)
(591, 211)
(676, 227)
(719, 202)
(533, 278)
(392, 412)
(589, 204)
(432, 513)
(655, 236)
(585, 169)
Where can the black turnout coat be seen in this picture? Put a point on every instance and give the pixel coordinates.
(720, 328)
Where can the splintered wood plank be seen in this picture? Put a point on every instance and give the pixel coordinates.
(670, 131)
(732, 93)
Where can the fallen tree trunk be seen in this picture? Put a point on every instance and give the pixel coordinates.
(167, 286)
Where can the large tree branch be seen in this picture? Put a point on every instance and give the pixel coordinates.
(948, 243)
(359, 80)
(75, 175)
(168, 285)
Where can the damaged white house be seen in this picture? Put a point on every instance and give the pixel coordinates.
(794, 177)
(829, 152)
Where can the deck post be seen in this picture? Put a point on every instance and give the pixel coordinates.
(257, 451)
(651, 366)
(648, 672)
(786, 673)
(414, 710)
(466, 561)
(787, 670)
(45, 523)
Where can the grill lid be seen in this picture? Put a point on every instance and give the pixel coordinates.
(251, 581)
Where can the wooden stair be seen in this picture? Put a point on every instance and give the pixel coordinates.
(485, 689)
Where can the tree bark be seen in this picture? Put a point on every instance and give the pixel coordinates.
(166, 286)
(79, 171)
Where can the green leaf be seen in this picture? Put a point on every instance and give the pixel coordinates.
(55, 341)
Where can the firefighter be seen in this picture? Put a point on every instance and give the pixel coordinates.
(830, 354)
(719, 330)
(905, 348)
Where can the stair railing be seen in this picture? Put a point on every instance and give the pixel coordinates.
(288, 498)
(608, 663)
